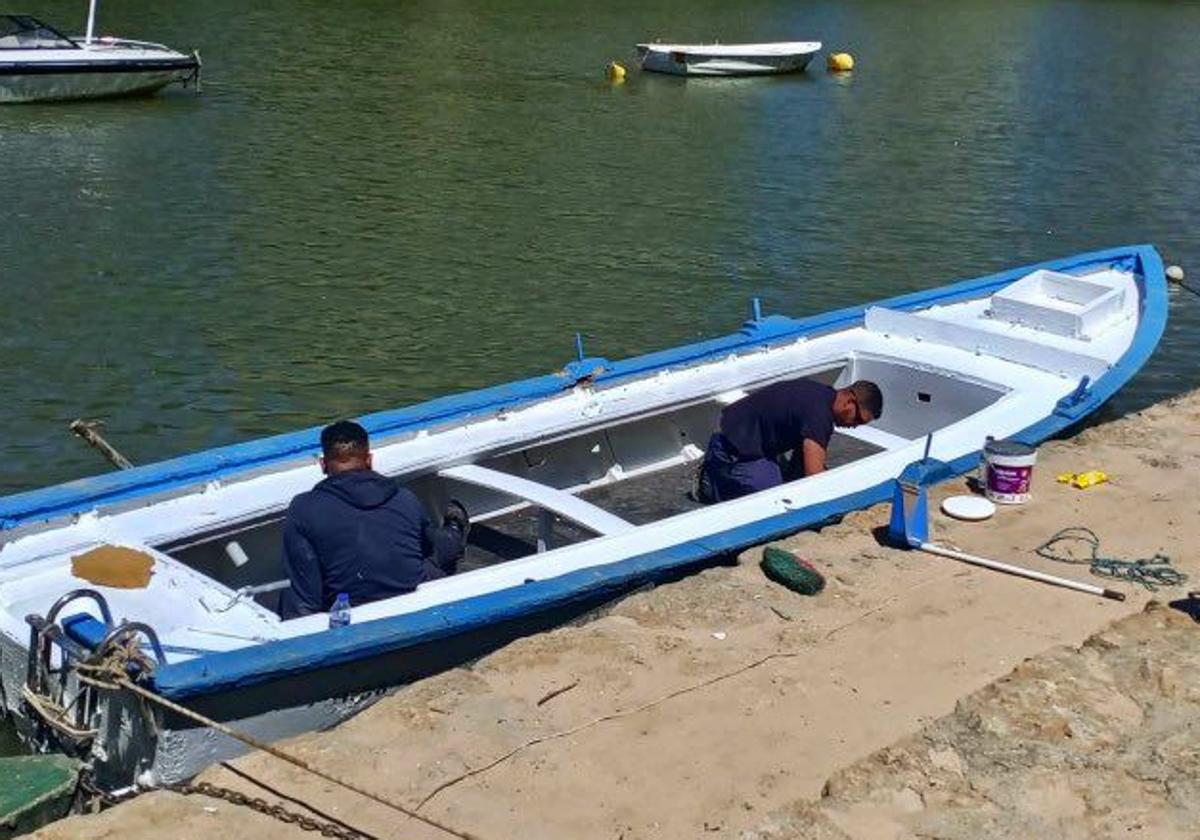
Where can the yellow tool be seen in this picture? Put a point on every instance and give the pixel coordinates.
(1083, 480)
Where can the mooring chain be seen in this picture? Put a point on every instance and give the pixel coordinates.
(106, 670)
(262, 806)
(338, 829)
(98, 794)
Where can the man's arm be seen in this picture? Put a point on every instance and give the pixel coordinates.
(303, 569)
(444, 546)
(814, 457)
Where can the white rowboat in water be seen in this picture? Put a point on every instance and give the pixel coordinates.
(727, 59)
(576, 483)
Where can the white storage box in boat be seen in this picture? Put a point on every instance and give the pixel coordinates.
(1061, 304)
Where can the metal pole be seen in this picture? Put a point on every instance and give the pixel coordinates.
(1008, 568)
(91, 27)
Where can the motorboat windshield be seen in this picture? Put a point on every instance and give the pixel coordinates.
(22, 32)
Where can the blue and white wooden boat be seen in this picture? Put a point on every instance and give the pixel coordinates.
(551, 469)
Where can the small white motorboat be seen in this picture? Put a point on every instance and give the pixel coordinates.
(576, 485)
(727, 59)
(38, 63)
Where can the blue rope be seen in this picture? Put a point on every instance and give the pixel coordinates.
(1150, 572)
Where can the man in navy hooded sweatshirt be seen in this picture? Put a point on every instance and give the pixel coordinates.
(361, 533)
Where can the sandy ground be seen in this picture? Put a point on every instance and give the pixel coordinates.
(1076, 743)
(895, 640)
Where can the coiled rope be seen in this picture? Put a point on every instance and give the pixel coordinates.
(1150, 572)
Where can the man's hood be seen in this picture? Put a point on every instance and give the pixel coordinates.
(365, 489)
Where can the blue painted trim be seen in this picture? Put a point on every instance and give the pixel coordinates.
(84, 629)
(88, 631)
(274, 660)
(189, 470)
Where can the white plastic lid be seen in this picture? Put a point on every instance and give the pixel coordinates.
(971, 508)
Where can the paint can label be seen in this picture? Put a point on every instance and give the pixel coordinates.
(1008, 485)
(1007, 471)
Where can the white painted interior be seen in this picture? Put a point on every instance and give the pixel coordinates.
(1075, 307)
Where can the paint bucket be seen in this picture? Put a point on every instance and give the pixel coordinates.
(1008, 471)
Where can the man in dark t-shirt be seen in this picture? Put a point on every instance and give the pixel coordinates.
(796, 416)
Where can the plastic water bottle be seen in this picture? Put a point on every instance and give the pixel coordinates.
(339, 613)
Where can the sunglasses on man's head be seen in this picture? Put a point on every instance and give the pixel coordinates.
(859, 418)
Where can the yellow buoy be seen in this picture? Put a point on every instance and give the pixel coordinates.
(616, 72)
(840, 62)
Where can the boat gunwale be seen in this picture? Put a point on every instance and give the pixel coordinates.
(47, 504)
(786, 49)
(284, 657)
(107, 64)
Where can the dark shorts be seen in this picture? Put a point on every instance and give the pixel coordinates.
(728, 478)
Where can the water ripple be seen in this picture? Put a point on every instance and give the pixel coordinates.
(396, 201)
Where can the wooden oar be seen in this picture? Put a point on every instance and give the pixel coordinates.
(86, 429)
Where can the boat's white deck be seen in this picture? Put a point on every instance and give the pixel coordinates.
(187, 609)
(97, 53)
(192, 611)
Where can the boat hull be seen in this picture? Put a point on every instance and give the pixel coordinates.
(26, 83)
(698, 62)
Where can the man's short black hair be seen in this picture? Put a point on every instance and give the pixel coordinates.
(344, 440)
(869, 397)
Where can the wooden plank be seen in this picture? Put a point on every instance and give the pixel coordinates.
(37, 790)
(571, 507)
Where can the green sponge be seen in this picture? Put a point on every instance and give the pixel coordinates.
(788, 570)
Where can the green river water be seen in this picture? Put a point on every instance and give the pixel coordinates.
(381, 202)
(374, 203)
